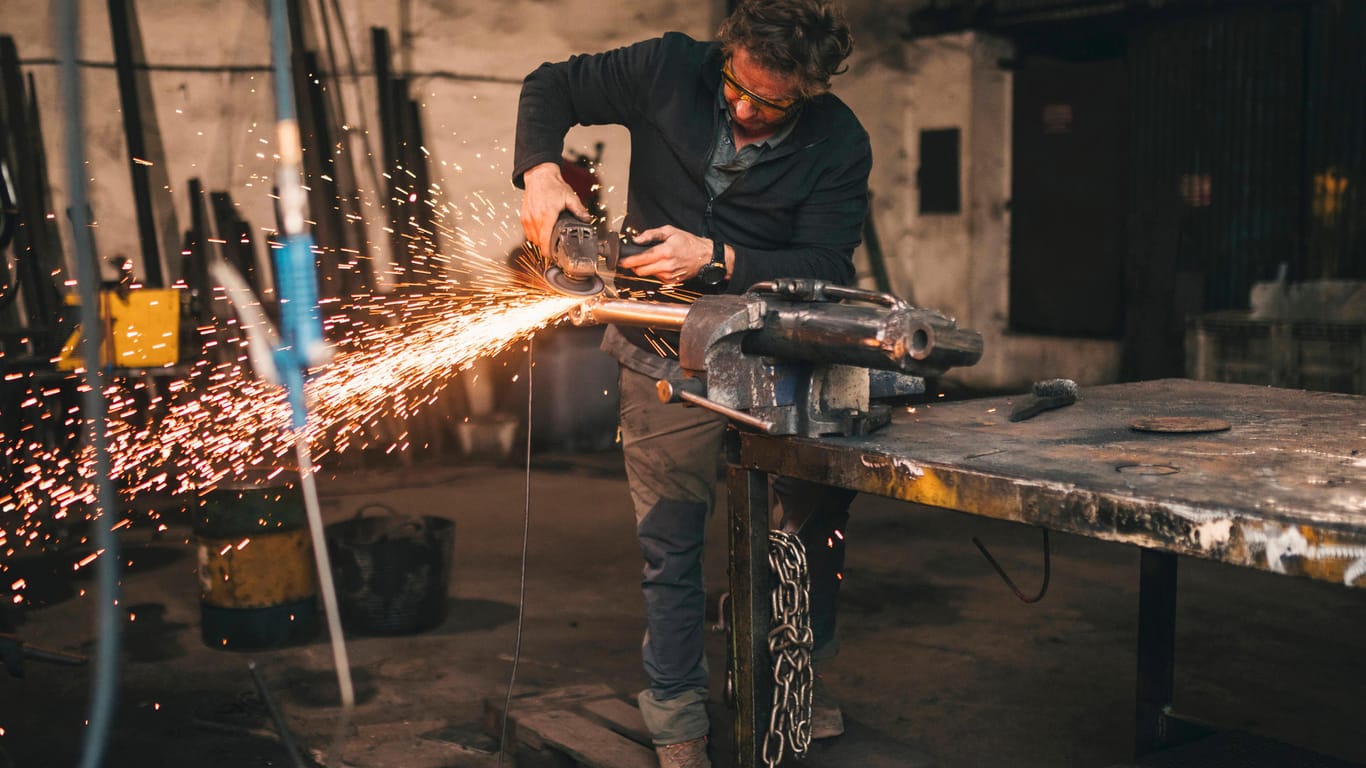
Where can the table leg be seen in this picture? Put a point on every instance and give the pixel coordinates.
(1156, 649)
(750, 612)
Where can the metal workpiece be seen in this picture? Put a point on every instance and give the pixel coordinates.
(906, 339)
(867, 328)
(650, 314)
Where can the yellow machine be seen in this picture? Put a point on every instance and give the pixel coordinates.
(142, 329)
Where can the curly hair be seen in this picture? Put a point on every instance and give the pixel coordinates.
(808, 39)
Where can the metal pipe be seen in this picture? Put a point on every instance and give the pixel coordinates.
(123, 25)
(637, 313)
(281, 727)
(912, 341)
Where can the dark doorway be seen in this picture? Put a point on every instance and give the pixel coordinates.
(1068, 193)
(1216, 147)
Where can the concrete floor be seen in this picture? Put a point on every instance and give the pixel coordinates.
(938, 654)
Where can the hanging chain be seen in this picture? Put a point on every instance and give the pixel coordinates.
(789, 645)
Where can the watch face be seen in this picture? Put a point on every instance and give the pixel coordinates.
(712, 274)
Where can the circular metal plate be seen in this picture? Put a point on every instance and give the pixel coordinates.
(1179, 424)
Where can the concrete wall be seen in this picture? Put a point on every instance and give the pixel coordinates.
(468, 59)
(960, 263)
(216, 118)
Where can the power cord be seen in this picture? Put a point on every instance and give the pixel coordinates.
(521, 587)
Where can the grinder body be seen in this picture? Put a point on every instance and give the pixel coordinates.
(576, 250)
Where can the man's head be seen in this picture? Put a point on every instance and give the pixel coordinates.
(801, 43)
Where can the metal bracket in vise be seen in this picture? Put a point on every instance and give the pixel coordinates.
(798, 356)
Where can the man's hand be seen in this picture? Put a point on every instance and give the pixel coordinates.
(546, 194)
(675, 256)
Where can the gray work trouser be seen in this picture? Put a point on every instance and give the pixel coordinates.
(672, 453)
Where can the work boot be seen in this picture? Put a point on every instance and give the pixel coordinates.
(827, 721)
(686, 754)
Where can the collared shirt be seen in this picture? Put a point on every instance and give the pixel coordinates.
(727, 165)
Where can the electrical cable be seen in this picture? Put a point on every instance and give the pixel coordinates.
(1047, 570)
(521, 588)
(104, 683)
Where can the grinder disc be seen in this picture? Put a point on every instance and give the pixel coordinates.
(588, 286)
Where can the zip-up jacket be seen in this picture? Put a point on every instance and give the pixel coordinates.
(797, 212)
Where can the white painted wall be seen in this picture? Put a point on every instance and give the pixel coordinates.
(217, 125)
(469, 58)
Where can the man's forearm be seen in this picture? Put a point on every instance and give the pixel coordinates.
(543, 120)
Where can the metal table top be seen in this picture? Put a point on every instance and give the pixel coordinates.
(1282, 489)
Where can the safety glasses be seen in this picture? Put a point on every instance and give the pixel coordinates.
(771, 110)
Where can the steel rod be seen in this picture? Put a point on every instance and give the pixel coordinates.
(641, 313)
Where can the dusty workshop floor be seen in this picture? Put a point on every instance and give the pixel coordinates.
(938, 654)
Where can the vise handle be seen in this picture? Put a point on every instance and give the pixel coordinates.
(689, 389)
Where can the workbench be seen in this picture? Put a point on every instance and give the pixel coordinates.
(1280, 487)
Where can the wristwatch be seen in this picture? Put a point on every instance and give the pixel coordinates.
(714, 271)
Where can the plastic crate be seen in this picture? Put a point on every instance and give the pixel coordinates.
(1231, 346)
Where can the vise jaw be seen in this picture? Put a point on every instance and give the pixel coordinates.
(780, 396)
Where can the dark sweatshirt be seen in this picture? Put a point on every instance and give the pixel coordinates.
(797, 212)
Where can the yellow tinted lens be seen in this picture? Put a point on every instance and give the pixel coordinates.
(762, 104)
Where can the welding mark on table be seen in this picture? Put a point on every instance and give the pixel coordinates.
(1210, 451)
(1146, 469)
(1288, 542)
(1213, 533)
(899, 466)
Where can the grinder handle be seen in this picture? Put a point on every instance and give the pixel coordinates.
(623, 246)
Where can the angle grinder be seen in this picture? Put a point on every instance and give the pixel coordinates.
(575, 249)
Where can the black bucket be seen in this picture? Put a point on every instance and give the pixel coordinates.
(392, 572)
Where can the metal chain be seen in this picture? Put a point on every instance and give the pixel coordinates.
(789, 645)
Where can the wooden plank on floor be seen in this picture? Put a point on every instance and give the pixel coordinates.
(593, 745)
(534, 701)
(560, 697)
(621, 717)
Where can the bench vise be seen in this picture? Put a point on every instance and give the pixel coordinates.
(798, 356)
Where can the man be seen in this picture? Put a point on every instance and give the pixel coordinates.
(743, 168)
